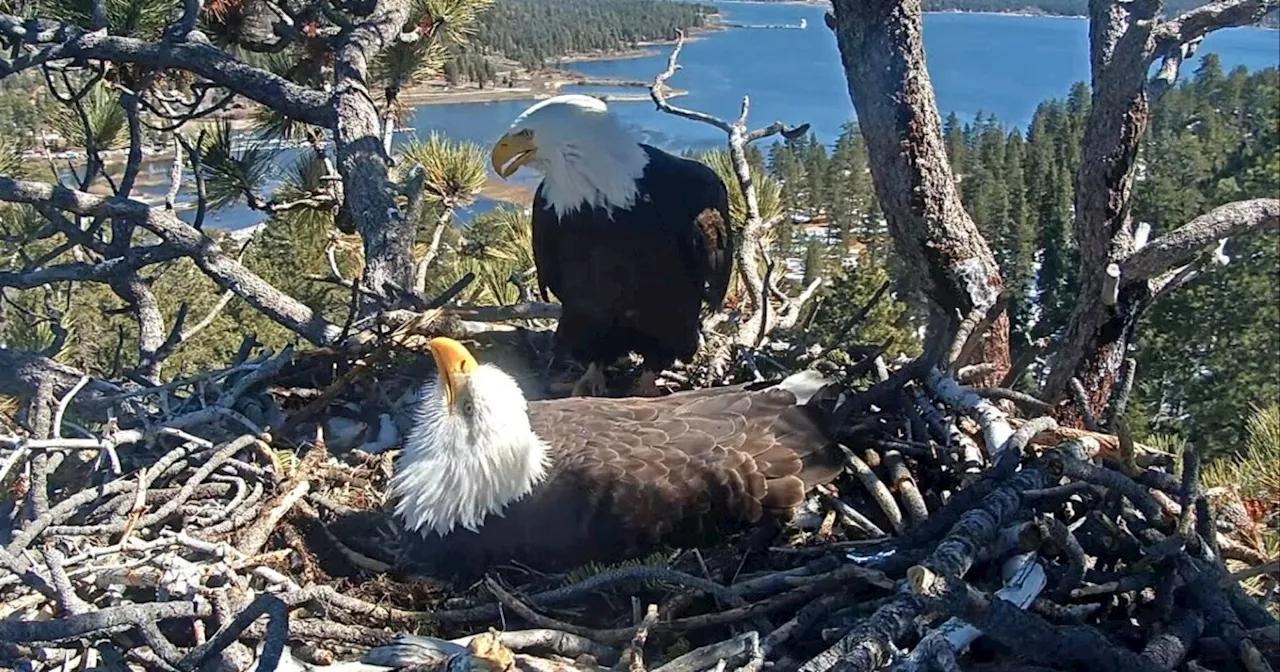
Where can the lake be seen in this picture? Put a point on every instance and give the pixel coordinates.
(987, 63)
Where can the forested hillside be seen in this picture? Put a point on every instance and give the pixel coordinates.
(1213, 140)
(536, 32)
(1050, 7)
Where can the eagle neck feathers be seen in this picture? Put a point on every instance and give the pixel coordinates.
(454, 473)
(599, 170)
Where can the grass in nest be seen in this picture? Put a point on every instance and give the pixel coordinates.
(1254, 474)
(656, 560)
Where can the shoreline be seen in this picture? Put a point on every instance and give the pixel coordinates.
(542, 83)
(1018, 13)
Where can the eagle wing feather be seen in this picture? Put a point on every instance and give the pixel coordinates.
(544, 232)
(678, 468)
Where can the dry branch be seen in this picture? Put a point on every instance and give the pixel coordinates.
(761, 319)
(204, 514)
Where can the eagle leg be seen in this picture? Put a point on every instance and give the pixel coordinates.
(646, 385)
(592, 383)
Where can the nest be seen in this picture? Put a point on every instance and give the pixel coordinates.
(183, 535)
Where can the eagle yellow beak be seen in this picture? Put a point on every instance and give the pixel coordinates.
(513, 151)
(454, 362)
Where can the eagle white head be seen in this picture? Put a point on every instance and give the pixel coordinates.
(470, 451)
(584, 154)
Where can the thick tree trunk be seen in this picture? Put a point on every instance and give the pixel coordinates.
(1097, 335)
(1125, 39)
(882, 50)
(362, 162)
(146, 313)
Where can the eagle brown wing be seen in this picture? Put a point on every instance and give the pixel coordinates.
(685, 468)
(626, 474)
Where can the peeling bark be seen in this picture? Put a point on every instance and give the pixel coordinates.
(882, 50)
(1125, 40)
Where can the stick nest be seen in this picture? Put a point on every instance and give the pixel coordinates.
(185, 527)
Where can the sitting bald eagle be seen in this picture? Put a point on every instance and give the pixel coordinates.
(486, 477)
(631, 239)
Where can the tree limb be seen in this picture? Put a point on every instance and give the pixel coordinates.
(747, 252)
(138, 258)
(882, 49)
(194, 54)
(1196, 23)
(1180, 246)
(204, 251)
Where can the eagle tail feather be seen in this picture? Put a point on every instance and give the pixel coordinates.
(784, 493)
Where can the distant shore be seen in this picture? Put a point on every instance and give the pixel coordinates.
(539, 83)
(1027, 12)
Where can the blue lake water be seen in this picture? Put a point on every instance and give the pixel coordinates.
(986, 63)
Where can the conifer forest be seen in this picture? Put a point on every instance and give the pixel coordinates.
(1050, 354)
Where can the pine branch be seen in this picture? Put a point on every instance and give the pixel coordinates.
(193, 53)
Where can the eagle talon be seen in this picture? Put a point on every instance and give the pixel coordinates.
(592, 383)
(646, 385)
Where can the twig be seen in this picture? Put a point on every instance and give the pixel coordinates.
(633, 656)
(277, 632)
(63, 403)
(877, 489)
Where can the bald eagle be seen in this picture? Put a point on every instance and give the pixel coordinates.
(487, 477)
(631, 239)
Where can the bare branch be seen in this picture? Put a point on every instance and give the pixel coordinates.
(433, 250)
(747, 252)
(1201, 21)
(1111, 285)
(194, 54)
(104, 271)
(1180, 246)
(207, 254)
(659, 95)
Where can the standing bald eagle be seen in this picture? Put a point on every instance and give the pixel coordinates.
(631, 239)
(486, 477)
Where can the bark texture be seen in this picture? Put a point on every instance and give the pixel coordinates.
(1125, 40)
(362, 161)
(882, 50)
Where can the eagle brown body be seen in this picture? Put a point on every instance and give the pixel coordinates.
(626, 476)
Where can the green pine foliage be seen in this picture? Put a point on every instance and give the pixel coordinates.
(1211, 350)
(1206, 353)
(886, 324)
(536, 33)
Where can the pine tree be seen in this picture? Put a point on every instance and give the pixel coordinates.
(816, 173)
(957, 151)
(814, 265)
(1018, 264)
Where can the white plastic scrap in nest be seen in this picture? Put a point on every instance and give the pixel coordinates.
(1024, 578)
